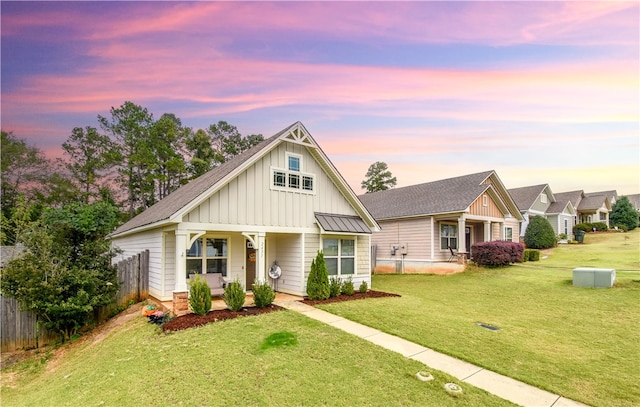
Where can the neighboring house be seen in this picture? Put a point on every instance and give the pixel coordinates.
(278, 203)
(533, 200)
(592, 208)
(420, 223)
(561, 215)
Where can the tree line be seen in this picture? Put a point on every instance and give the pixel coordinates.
(130, 159)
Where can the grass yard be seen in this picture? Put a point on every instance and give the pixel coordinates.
(278, 359)
(581, 343)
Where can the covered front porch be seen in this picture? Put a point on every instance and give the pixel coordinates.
(459, 233)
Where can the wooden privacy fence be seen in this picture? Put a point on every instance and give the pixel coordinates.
(19, 329)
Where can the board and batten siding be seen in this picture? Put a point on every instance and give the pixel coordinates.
(490, 210)
(133, 244)
(288, 255)
(169, 264)
(249, 199)
(415, 233)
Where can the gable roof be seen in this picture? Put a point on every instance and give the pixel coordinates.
(572, 196)
(594, 202)
(635, 200)
(612, 195)
(171, 208)
(438, 197)
(525, 197)
(560, 206)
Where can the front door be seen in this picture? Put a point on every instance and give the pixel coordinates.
(467, 239)
(250, 264)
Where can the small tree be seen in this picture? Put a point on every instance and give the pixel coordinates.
(623, 213)
(263, 294)
(539, 234)
(318, 280)
(234, 296)
(200, 296)
(378, 178)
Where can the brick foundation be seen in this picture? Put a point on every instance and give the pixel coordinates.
(181, 303)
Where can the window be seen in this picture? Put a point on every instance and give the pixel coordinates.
(566, 227)
(339, 256)
(448, 237)
(485, 200)
(292, 178)
(543, 198)
(279, 179)
(207, 255)
(508, 234)
(294, 163)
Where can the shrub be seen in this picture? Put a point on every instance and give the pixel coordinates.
(234, 296)
(600, 226)
(588, 227)
(585, 227)
(335, 286)
(199, 296)
(263, 294)
(497, 253)
(531, 255)
(363, 287)
(318, 280)
(622, 228)
(347, 287)
(562, 236)
(539, 234)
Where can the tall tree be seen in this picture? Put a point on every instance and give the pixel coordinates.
(228, 142)
(168, 138)
(378, 178)
(23, 169)
(89, 154)
(130, 125)
(624, 213)
(202, 153)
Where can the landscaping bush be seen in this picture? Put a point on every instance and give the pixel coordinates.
(199, 296)
(588, 227)
(497, 253)
(363, 287)
(622, 228)
(318, 280)
(234, 296)
(539, 234)
(585, 227)
(263, 294)
(531, 255)
(347, 287)
(600, 226)
(335, 287)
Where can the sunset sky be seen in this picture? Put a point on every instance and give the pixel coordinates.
(541, 92)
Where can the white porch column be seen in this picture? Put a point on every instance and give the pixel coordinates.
(462, 243)
(182, 238)
(487, 231)
(261, 267)
(501, 230)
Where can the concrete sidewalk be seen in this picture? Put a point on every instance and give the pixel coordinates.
(494, 383)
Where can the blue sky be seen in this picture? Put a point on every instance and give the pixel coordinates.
(541, 92)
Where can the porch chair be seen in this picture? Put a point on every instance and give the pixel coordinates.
(453, 256)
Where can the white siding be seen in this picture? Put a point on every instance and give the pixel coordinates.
(288, 254)
(249, 200)
(169, 264)
(133, 244)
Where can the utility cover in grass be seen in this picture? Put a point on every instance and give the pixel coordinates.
(490, 327)
(278, 339)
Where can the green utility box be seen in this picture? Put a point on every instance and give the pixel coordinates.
(593, 277)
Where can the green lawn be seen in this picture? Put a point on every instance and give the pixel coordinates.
(581, 343)
(231, 363)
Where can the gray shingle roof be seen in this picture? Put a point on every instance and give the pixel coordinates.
(444, 196)
(592, 202)
(341, 223)
(572, 196)
(179, 198)
(525, 197)
(635, 200)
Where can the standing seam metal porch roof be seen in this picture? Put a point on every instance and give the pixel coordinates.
(341, 223)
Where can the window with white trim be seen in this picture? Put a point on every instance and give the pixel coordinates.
(292, 178)
(448, 236)
(543, 198)
(508, 234)
(339, 256)
(485, 200)
(207, 255)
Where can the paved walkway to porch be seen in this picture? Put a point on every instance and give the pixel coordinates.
(494, 383)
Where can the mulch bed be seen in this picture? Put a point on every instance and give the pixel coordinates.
(193, 320)
(356, 296)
